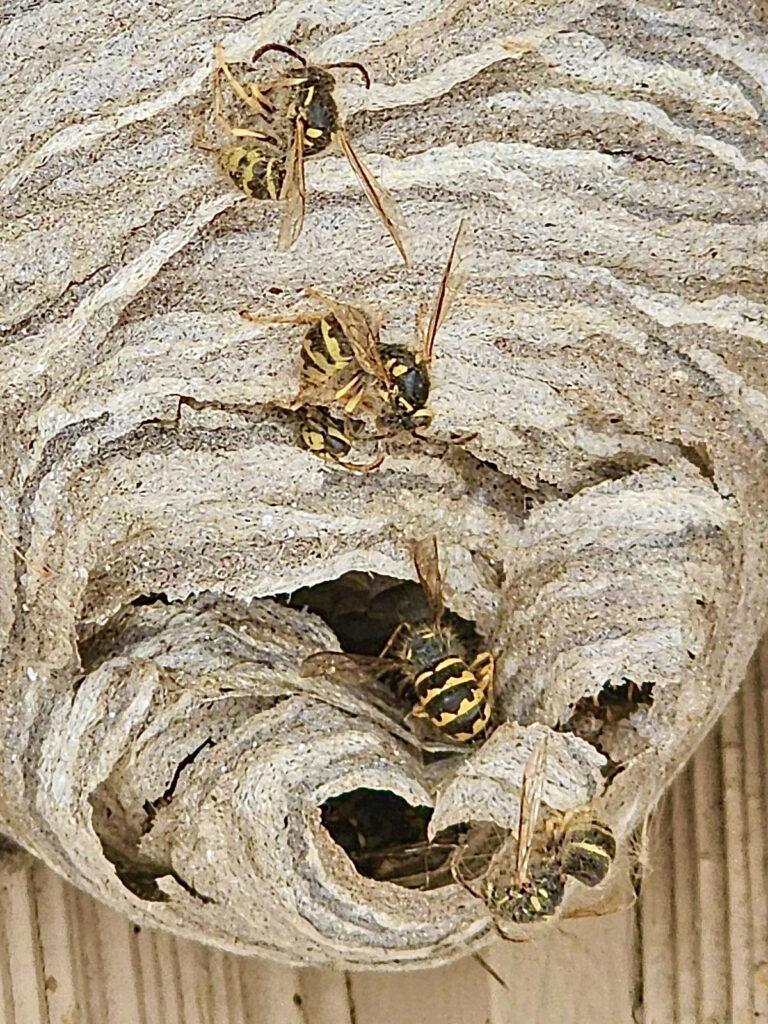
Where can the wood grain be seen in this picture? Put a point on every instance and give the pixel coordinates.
(694, 950)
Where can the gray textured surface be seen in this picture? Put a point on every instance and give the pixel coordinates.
(609, 354)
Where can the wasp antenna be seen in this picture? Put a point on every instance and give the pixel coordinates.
(281, 48)
(358, 67)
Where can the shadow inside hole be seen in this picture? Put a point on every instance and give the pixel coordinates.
(385, 837)
(363, 610)
(596, 718)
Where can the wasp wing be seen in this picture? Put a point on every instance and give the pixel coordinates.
(361, 334)
(472, 858)
(427, 562)
(531, 793)
(356, 669)
(453, 280)
(382, 202)
(293, 194)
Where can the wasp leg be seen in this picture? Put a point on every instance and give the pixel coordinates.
(463, 882)
(391, 641)
(200, 141)
(356, 467)
(252, 96)
(352, 393)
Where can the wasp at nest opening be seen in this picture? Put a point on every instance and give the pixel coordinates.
(521, 875)
(386, 839)
(279, 124)
(427, 663)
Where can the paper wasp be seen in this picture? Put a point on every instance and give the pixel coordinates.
(292, 117)
(343, 337)
(324, 436)
(427, 662)
(522, 875)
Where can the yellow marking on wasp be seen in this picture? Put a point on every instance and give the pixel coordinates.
(536, 904)
(446, 663)
(309, 96)
(272, 180)
(313, 133)
(314, 440)
(451, 716)
(399, 370)
(333, 346)
(591, 848)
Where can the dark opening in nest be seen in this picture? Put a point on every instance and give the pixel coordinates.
(597, 718)
(363, 609)
(385, 837)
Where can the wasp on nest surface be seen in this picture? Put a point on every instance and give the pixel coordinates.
(344, 363)
(521, 876)
(287, 119)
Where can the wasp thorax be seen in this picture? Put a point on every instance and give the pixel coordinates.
(409, 386)
(423, 644)
(314, 102)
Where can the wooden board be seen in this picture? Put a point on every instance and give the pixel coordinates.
(694, 950)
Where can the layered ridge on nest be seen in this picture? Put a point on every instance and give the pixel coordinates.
(602, 521)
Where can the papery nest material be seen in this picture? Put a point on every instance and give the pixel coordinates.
(604, 525)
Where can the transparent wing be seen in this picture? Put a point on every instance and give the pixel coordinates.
(472, 858)
(531, 792)
(453, 280)
(293, 194)
(427, 563)
(355, 669)
(382, 202)
(361, 334)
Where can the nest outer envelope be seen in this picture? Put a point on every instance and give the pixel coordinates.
(606, 522)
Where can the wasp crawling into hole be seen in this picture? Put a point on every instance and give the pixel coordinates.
(426, 663)
(288, 119)
(521, 877)
(344, 363)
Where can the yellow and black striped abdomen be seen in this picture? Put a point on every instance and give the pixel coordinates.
(325, 351)
(324, 436)
(588, 852)
(450, 696)
(254, 171)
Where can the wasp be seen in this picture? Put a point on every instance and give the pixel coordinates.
(428, 662)
(345, 337)
(292, 117)
(325, 436)
(522, 880)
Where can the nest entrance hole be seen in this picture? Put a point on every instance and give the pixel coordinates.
(363, 609)
(385, 837)
(600, 719)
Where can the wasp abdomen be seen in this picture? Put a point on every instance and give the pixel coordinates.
(325, 351)
(324, 436)
(588, 852)
(255, 172)
(450, 696)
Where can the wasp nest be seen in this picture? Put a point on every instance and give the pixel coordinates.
(596, 473)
